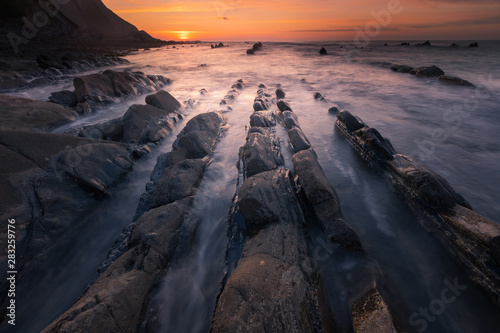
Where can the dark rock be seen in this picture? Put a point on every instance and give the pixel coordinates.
(333, 110)
(145, 123)
(298, 140)
(432, 71)
(83, 108)
(209, 121)
(430, 189)
(427, 43)
(178, 181)
(351, 122)
(319, 97)
(281, 293)
(262, 119)
(454, 45)
(380, 146)
(401, 68)
(203, 91)
(323, 51)
(323, 199)
(290, 119)
(45, 61)
(370, 314)
(28, 114)
(257, 46)
(163, 100)
(260, 153)
(198, 144)
(280, 93)
(250, 52)
(284, 106)
(473, 45)
(64, 98)
(104, 165)
(455, 81)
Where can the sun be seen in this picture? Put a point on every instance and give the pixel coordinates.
(183, 35)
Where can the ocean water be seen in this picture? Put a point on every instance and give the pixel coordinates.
(453, 130)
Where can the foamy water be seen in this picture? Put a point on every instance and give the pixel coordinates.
(411, 264)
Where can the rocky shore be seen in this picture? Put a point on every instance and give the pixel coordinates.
(471, 238)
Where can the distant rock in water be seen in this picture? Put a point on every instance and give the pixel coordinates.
(473, 45)
(255, 47)
(319, 97)
(432, 71)
(427, 43)
(454, 45)
(405, 44)
(401, 68)
(216, 46)
(323, 51)
(455, 80)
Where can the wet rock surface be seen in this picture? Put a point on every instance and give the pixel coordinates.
(118, 299)
(27, 114)
(468, 236)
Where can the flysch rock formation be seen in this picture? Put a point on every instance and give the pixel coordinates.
(117, 300)
(141, 124)
(272, 288)
(432, 72)
(371, 314)
(471, 238)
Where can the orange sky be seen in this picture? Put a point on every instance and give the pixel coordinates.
(289, 20)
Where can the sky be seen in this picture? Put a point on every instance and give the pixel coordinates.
(315, 20)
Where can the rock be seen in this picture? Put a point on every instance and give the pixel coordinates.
(319, 97)
(322, 197)
(27, 114)
(432, 71)
(106, 87)
(257, 46)
(203, 91)
(45, 61)
(197, 144)
(83, 108)
(104, 165)
(370, 314)
(250, 52)
(109, 130)
(209, 121)
(333, 110)
(178, 182)
(163, 100)
(455, 81)
(290, 119)
(280, 94)
(454, 45)
(262, 119)
(351, 122)
(430, 189)
(284, 106)
(145, 123)
(298, 140)
(271, 289)
(91, 132)
(8, 82)
(323, 51)
(380, 146)
(260, 153)
(427, 43)
(473, 45)
(401, 68)
(64, 98)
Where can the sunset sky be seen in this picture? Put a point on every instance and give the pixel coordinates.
(281, 20)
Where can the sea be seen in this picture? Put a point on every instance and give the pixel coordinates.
(450, 129)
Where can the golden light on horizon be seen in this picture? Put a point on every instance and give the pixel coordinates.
(310, 20)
